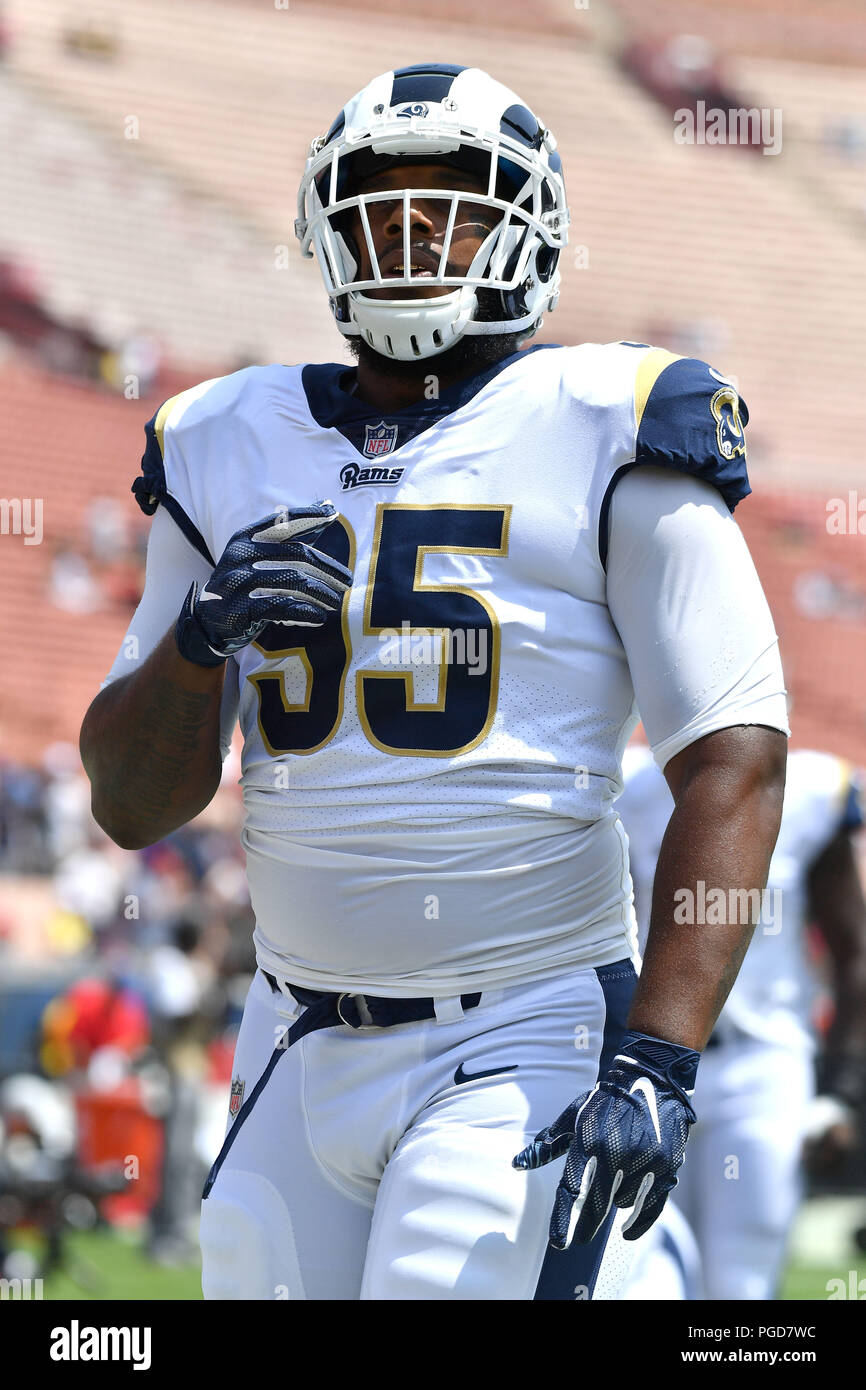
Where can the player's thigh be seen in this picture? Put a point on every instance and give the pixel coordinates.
(748, 1185)
(276, 1223)
(453, 1218)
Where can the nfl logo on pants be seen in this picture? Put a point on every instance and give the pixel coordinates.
(380, 439)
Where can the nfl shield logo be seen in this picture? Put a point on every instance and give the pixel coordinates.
(381, 439)
(237, 1096)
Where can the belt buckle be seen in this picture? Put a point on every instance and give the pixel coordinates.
(364, 1015)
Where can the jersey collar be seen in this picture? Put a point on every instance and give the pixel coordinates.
(327, 386)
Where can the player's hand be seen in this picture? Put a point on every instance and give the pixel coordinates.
(625, 1140)
(269, 572)
(830, 1134)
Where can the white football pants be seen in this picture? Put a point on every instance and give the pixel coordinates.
(376, 1163)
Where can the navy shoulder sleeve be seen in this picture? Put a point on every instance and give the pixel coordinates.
(852, 814)
(692, 419)
(150, 486)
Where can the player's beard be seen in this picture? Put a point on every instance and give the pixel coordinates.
(470, 355)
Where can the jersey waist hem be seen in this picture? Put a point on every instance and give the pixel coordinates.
(444, 984)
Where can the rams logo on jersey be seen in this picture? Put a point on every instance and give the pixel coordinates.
(351, 475)
(730, 435)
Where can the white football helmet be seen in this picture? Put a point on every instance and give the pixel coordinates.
(438, 113)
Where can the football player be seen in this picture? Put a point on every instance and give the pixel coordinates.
(742, 1180)
(435, 677)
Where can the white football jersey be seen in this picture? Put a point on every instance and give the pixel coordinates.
(429, 780)
(774, 993)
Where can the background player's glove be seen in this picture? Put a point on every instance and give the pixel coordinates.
(835, 1116)
(266, 574)
(829, 1134)
(625, 1140)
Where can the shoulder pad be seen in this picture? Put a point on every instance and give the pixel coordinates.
(150, 487)
(853, 812)
(690, 418)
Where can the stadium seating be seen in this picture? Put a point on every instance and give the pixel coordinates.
(64, 443)
(755, 263)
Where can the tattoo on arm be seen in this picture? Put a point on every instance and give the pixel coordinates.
(730, 972)
(166, 746)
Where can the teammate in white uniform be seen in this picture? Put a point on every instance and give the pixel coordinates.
(537, 543)
(741, 1182)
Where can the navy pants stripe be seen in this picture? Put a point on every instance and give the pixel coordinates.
(571, 1274)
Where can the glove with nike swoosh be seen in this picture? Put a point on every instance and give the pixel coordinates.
(625, 1140)
(269, 572)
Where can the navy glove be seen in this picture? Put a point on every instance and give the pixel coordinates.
(625, 1140)
(266, 574)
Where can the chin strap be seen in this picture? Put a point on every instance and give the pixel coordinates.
(390, 330)
(411, 329)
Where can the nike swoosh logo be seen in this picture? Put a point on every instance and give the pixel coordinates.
(205, 595)
(647, 1089)
(460, 1075)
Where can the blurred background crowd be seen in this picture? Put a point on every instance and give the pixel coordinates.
(122, 980)
(150, 158)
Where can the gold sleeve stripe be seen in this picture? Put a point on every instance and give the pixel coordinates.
(162, 416)
(652, 364)
(846, 772)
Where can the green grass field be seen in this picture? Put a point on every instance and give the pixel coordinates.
(106, 1265)
(807, 1282)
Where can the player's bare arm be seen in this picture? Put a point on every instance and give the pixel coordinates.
(150, 742)
(838, 910)
(728, 790)
(150, 746)
(625, 1141)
